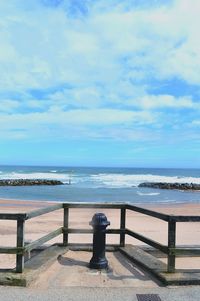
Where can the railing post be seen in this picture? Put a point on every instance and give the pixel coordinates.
(171, 244)
(20, 244)
(122, 226)
(65, 225)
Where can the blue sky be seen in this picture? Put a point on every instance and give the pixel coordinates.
(100, 83)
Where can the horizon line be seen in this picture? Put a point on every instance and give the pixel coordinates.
(92, 166)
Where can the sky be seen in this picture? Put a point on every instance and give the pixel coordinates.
(100, 83)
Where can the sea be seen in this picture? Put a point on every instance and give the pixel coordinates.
(100, 184)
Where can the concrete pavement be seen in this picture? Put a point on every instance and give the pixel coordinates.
(97, 294)
(68, 278)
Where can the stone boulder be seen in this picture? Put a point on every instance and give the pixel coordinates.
(28, 182)
(163, 185)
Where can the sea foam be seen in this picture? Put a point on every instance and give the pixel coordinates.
(35, 175)
(107, 180)
(128, 180)
(146, 194)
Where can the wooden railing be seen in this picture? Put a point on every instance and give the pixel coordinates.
(170, 249)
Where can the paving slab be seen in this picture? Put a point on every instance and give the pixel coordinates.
(72, 269)
(97, 294)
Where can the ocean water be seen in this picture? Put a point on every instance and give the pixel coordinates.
(100, 184)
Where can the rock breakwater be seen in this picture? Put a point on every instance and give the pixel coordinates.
(28, 182)
(162, 185)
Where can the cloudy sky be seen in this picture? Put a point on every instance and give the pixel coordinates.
(100, 83)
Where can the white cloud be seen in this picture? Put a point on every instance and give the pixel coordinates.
(7, 105)
(83, 97)
(165, 101)
(195, 123)
(77, 117)
(82, 124)
(106, 58)
(44, 47)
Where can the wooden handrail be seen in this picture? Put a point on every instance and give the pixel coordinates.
(171, 250)
(42, 211)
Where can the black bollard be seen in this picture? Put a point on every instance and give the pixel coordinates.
(99, 223)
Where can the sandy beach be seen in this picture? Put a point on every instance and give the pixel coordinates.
(187, 233)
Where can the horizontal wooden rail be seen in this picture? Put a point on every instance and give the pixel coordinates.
(162, 216)
(42, 211)
(148, 241)
(185, 218)
(77, 231)
(11, 250)
(43, 239)
(171, 250)
(114, 231)
(94, 205)
(87, 246)
(12, 216)
(85, 231)
(184, 251)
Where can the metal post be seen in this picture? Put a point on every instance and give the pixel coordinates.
(65, 225)
(20, 244)
(99, 223)
(122, 227)
(171, 244)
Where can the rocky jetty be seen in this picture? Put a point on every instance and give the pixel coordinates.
(28, 182)
(162, 185)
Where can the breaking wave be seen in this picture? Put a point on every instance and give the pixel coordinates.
(107, 180)
(125, 180)
(35, 175)
(151, 193)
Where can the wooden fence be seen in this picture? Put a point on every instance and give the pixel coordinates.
(170, 249)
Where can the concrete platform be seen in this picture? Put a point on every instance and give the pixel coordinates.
(159, 269)
(61, 267)
(71, 270)
(35, 266)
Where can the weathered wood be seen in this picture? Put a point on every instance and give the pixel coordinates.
(44, 210)
(177, 218)
(114, 231)
(148, 241)
(162, 216)
(11, 250)
(138, 255)
(65, 226)
(158, 268)
(171, 244)
(185, 218)
(185, 251)
(122, 226)
(13, 216)
(89, 247)
(43, 239)
(86, 231)
(78, 231)
(170, 250)
(94, 205)
(20, 244)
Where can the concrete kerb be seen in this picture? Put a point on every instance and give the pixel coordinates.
(158, 269)
(33, 267)
(42, 261)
